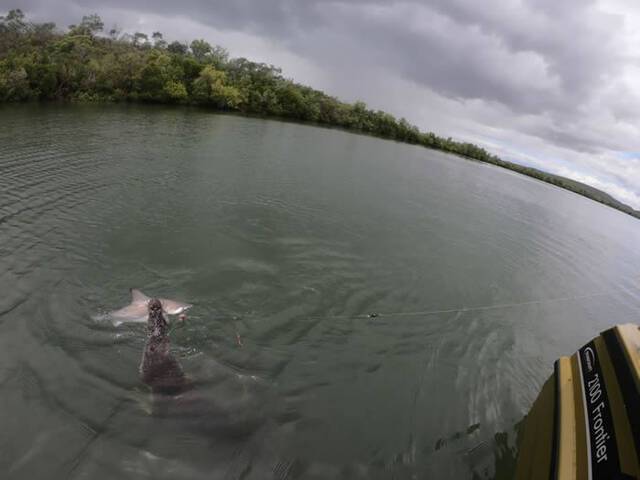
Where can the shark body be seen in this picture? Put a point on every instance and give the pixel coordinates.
(138, 310)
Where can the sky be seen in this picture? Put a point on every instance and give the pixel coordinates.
(553, 84)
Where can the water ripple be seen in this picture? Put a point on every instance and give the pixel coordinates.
(284, 238)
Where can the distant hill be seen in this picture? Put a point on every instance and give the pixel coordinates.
(596, 194)
(572, 185)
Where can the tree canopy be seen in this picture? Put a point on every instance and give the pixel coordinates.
(40, 62)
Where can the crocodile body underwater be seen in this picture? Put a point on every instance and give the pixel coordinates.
(221, 402)
(159, 369)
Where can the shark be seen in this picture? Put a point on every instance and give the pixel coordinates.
(138, 310)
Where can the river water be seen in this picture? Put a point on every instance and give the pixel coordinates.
(284, 238)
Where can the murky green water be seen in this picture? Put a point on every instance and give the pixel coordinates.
(284, 237)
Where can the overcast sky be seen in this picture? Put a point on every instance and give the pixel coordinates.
(550, 83)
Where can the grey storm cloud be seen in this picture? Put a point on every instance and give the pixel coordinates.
(533, 56)
(546, 69)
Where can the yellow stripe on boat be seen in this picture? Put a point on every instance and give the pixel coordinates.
(566, 434)
(585, 424)
(629, 336)
(581, 446)
(535, 455)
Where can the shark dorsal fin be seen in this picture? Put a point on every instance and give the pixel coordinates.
(138, 296)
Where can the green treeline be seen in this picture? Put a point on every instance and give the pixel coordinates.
(86, 64)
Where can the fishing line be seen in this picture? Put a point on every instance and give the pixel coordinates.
(418, 313)
(493, 307)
